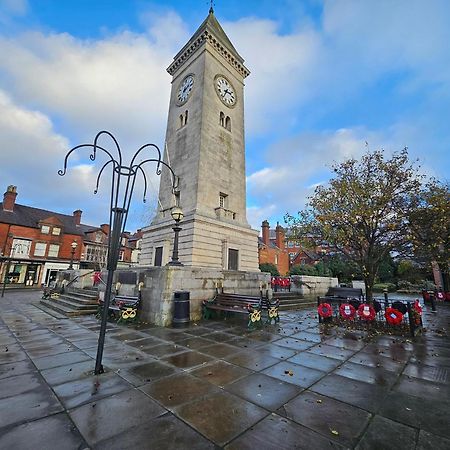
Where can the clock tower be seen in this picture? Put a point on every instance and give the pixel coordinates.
(206, 150)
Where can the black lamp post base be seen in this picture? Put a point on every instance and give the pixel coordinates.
(174, 263)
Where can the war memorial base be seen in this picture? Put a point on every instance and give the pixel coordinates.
(158, 285)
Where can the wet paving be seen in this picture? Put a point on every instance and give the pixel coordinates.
(217, 385)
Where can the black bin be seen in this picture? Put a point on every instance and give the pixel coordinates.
(181, 309)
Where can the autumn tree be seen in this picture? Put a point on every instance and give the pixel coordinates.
(430, 227)
(363, 211)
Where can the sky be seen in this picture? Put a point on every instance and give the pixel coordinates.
(327, 77)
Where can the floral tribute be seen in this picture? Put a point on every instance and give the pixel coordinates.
(366, 312)
(347, 311)
(393, 316)
(325, 310)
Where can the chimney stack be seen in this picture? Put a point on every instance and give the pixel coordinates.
(265, 232)
(279, 236)
(105, 228)
(77, 217)
(9, 198)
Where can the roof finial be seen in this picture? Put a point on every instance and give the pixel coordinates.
(211, 9)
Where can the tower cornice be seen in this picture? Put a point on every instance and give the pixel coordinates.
(210, 32)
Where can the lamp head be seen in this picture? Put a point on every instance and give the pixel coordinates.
(177, 213)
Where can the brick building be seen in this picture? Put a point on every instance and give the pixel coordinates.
(273, 250)
(35, 243)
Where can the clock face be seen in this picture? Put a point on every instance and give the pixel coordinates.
(185, 89)
(225, 91)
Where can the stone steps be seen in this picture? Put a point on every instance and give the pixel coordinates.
(293, 301)
(73, 303)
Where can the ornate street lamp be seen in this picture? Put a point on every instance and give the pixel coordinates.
(177, 215)
(74, 245)
(122, 186)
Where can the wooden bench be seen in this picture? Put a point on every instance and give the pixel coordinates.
(252, 306)
(344, 292)
(123, 307)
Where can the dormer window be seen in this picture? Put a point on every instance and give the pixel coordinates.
(45, 229)
(223, 200)
(56, 231)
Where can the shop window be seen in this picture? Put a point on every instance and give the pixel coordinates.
(40, 249)
(53, 250)
(45, 229)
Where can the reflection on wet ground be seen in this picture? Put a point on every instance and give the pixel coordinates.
(217, 385)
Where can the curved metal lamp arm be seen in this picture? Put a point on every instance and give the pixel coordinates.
(158, 172)
(107, 133)
(92, 156)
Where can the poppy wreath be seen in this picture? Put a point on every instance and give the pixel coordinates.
(417, 307)
(325, 310)
(347, 311)
(366, 312)
(393, 316)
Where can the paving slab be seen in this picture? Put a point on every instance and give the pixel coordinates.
(252, 359)
(275, 432)
(164, 432)
(220, 417)
(388, 435)
(333, 419)
(316, 361)
(105, 418)
(373, 375)
(294, 373)
(358, 393)
(264, 390)
(16, 368)
(428, 441)
(87, 389)
(178, 389)
(55, 432)
(424, 413)
(220, 373)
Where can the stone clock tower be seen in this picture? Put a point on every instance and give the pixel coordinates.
(205, 147)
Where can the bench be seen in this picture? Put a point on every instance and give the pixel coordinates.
(123, 307)
(251, 306)
(344, 292)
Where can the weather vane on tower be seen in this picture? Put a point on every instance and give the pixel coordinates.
(211, 6)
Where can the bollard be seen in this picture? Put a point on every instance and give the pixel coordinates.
(433, 302)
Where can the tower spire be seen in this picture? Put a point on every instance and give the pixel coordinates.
(211, 7)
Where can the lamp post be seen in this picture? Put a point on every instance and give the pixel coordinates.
(8, 264)
(122, 186)
(74, 246)
(177, 215)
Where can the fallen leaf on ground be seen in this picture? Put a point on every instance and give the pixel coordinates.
(336, 433)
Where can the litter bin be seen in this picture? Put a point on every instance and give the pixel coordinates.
(181, 309)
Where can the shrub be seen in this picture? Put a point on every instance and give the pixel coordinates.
(271, 268)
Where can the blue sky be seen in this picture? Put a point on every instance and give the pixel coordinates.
(326, 76)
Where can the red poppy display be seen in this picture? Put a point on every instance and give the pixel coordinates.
(417, 307)
(393, 316)
(347, 311)
(366, 312)
(325, 310)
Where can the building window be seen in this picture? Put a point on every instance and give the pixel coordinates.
(53, 250)
(158, 256)
(20, 248)
(121, 255)
(45, 229)
(228, 123)
(291, 256)
(233, 259)
(40, 249)
(183, 119)
(223, 200)
(291, 244)
(56, 231)
(222, 119)
(276, 259)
